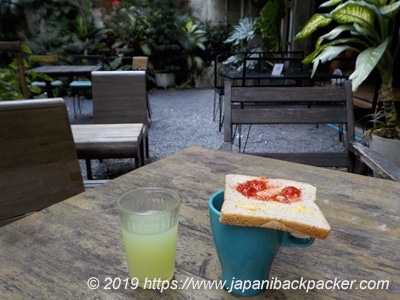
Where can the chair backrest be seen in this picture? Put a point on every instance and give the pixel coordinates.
(218, 69)
(292, 105)
(119, 97)
(16, 47)
(265, 65)
(139, 63)
(40, 60)
(38, 161)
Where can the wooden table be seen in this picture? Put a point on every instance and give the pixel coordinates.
(53, 253)
(65, 71)
(99, 141)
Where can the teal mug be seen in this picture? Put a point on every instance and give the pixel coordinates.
(246, 254)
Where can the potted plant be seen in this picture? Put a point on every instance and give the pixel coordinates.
(160, 42)
(257, 35)
(124, 21)
(192, 38)
(365, 27)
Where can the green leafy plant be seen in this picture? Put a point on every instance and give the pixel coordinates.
(365, 27)
(257, 35)
(9, 81)
(192, 38)
(241, 34)
(62, 27)
(240, 38)
(124, 21)
(116, 65)
(268, 24)
(160, 41)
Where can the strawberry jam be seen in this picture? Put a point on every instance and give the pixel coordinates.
(251, 187)
(260, 190)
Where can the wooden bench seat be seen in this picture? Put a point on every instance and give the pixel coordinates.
(103, 141)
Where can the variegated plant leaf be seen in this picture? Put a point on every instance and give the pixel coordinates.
(312, 25)
(354, 13)
(366, 62)
(330, 3)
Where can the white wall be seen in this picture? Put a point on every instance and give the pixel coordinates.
(211, 10)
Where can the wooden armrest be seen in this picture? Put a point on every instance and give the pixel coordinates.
(375, 162)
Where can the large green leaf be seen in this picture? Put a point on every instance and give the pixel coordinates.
(390, 10)
(328, 54)
(377, 3)
(330, 3)
(315, 22)
(366, 62)
(353, 41)
(365, 32)
(354, 13)
(336, 32)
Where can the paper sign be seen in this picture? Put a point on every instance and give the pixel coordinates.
(277, 70)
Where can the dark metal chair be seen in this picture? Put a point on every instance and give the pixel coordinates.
(82, 87)
(219, 87)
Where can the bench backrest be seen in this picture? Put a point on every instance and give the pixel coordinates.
(119, 97)
(292, 105)
(38, 161)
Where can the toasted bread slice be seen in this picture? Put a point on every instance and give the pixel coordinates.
(273, 203)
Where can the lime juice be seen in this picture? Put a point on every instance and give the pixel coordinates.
(151, 256)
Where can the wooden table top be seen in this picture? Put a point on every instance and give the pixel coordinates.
(53, 253)
(66, 70)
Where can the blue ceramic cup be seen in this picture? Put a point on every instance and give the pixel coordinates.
(246, 254)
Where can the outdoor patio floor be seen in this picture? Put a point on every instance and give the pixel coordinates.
(183, 118)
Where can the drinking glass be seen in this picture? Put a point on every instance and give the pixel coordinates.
(149, 224)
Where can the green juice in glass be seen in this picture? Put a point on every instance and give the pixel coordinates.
(151, 256)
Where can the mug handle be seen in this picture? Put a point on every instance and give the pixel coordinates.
(288, 240)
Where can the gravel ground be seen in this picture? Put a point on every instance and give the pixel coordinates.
(183, 118)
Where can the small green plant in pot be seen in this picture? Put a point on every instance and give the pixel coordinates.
(192, 38)
(365, 27)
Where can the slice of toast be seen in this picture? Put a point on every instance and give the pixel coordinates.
(273, 203)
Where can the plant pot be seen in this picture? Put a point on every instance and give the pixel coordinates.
(165, 80)
(388, 148)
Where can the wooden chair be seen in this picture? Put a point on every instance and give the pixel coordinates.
(139, 63)
(39, 165)
(120, 97)
(16, 47)
(303, 105)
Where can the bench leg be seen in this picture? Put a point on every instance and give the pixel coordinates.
(89, 169)
(146, 145)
